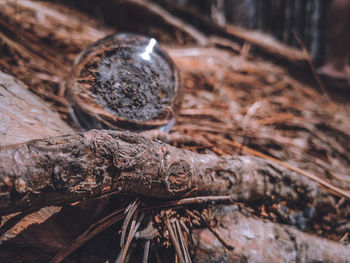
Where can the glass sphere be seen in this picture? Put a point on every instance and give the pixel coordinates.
(124, 81)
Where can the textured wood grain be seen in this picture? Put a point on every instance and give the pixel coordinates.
(24, 116)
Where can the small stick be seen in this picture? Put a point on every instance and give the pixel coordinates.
(128, 217)
(174, 241)
(139, 220)
(14, 220)
(192, 215)
(192, 200)
(146, 251)
(183, 244)
(309, 62)
(132, 232)
(220, 238)
(129, 206)
(344, 237)
(172, 222)
(217, 234)
(130, 236)
(186, 229)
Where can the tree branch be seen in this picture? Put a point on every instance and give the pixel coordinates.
(74, 167)
(249, 237)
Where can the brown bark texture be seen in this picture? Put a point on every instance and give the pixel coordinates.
(24, 116)
(74, 167)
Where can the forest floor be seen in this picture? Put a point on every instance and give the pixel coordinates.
(244, 95)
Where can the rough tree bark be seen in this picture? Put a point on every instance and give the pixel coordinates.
(246, 234)
(74, 167)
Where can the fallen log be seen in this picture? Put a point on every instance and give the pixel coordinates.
(255, 240)
(74, 167)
